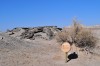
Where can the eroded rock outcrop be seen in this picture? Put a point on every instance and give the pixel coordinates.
(45, 32)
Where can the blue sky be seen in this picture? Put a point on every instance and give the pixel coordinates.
(30, 13)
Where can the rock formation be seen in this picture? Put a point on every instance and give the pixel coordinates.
(45, 32)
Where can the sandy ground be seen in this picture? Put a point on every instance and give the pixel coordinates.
(15, 52)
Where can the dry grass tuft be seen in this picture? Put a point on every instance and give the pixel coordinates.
(78, 35)
(85, 38)
(63, 36)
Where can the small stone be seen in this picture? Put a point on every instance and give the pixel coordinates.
(1, 37)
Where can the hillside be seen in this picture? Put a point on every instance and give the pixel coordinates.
(37, 47)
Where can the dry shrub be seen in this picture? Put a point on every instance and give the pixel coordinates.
(85, 38)
(78, 35)
(63, 36)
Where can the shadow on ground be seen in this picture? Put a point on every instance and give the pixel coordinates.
(72, 56)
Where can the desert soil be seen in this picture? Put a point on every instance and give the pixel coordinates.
(40, 52)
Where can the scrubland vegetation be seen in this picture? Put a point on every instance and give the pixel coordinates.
(77, 34)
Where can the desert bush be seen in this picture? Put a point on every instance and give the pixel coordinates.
(64, 36)
(85, 38)
(78, 35)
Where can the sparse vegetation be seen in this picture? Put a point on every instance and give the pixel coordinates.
(78, 35)
(64, 36)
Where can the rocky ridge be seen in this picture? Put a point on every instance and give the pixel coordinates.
(45, 32)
